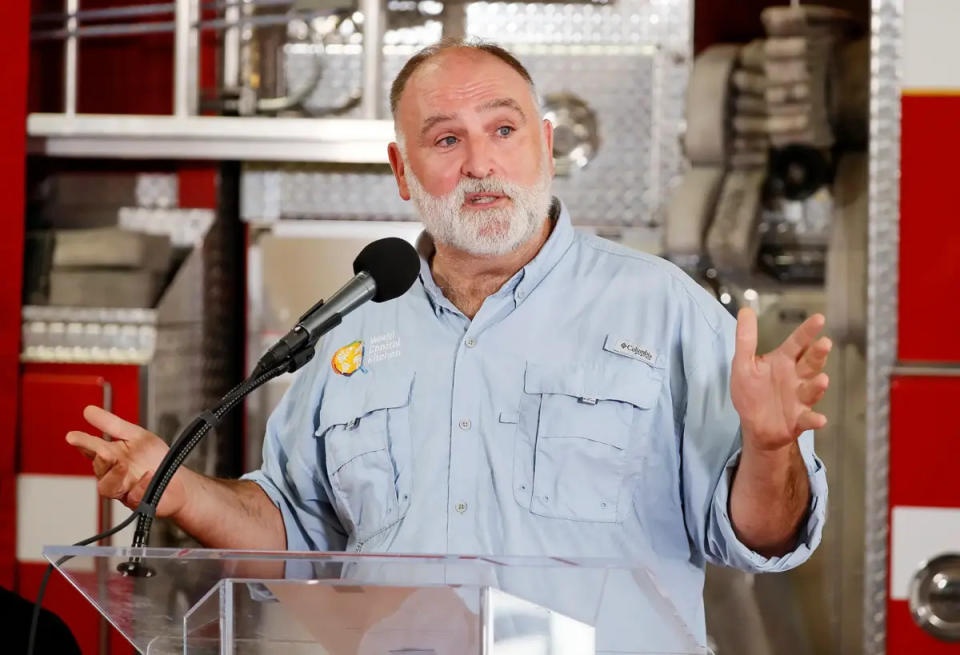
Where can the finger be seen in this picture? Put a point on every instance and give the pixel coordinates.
(102, 465)
(111, 424)
(800, 338)
(89, 445)
(811, 420)
(814, 358)
(72, 439)
(746, 345)
(811, 391)
(103, 454)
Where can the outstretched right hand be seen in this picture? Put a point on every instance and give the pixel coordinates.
(125, 465)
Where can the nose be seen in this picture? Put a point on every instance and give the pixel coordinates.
(478, 162)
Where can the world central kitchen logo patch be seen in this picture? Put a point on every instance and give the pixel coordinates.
(349, 359)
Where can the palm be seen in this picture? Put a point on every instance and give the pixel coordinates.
(774, 394)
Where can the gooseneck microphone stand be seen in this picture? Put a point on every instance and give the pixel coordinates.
(290, 354)
(385, 269)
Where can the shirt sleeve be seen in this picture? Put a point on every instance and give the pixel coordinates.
(710, 446)
(292, 474)
(725, 547)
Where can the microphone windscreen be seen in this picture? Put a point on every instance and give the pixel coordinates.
(392, 263)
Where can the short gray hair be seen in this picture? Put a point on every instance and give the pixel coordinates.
(452, 43)
(431, 51)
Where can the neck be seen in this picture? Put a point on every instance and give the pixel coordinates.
(467, 280)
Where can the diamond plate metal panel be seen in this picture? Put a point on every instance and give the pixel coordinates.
(360, 192)
(882, 254)
(666, 22)
(628, 61)
(159, 190)
(185, 227)
(617, 187)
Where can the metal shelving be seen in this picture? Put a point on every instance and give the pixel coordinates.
(209, 137)
(187, 135)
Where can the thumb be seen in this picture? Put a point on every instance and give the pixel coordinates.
(139, 489)
(746, 345)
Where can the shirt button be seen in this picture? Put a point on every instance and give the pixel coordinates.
(464, 424)
(461, 507)
(470, 342)
(520, 294)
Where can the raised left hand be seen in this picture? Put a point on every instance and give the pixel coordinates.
(775, 393)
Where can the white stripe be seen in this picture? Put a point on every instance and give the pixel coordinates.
(919, 534)
(931, 44)
(340, 229)
(55, 510)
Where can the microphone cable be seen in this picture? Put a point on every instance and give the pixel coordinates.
(37, 605)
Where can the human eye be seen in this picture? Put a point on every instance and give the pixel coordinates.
(447, 141)
(505, 131)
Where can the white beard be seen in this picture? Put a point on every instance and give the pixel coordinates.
(484, 232)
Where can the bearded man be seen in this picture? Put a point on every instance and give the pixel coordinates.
(539, 391)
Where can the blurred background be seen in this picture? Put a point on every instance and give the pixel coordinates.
(184, 178)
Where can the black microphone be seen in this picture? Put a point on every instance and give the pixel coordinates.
(384, 269)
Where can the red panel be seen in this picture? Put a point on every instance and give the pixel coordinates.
(929, 230)
(130, 75)
(126, 75)
(124, 381)
(63, 599)
(53, 399)
(116, 75)
(197, 185)
(904, 637)
(50, 406)
(14, 29)
(923, 430)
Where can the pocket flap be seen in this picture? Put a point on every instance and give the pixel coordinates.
(606, 422)
(345, 446)
(629, 382)
(345, 401)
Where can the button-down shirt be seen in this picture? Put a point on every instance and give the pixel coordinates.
(584, 411)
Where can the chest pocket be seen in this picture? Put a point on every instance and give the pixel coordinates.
(364, 425)
(581, 429)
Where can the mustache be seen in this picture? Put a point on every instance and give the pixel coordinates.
(496, 185)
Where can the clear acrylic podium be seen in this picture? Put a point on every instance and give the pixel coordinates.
(221, 602)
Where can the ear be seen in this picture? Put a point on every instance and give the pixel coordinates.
(396, 163)
(548, 137)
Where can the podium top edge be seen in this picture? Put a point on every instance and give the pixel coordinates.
(53, 553)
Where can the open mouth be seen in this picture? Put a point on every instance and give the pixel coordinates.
(484, 199)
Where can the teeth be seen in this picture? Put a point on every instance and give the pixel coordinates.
(483, 200)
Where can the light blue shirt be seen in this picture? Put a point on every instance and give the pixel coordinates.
(584, 412)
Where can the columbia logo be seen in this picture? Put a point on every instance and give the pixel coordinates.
(637, 350)
(630, 349)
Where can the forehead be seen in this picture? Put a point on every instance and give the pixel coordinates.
(458, 80)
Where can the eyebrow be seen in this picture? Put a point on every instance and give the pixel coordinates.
(433, 120)
(508, 103)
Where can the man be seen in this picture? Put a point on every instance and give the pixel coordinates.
(538, 391)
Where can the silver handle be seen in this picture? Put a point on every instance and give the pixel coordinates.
(935, 597)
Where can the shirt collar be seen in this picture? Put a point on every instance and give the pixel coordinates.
(426, 248)
(557, 244)
(525, 280)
